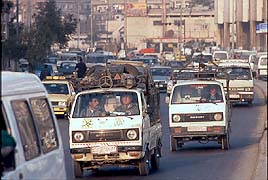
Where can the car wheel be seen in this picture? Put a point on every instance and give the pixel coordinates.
(155, 160)
(144, 165)
(225, 143)
(78, 170)
(173, 144)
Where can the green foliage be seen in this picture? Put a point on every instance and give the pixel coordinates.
(49, 28)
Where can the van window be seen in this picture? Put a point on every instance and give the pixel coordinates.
(263, 61)
(45, 124)
(26, 128)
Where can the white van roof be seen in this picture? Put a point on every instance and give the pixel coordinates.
(14, 83)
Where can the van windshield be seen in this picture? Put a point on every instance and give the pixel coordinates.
(220, 56)
(237, 73)
(263, 61)
(197, 93)
(53, 88)
(106, 104)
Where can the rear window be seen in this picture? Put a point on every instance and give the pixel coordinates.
(27, 130)
(263, 61)
(45, 124)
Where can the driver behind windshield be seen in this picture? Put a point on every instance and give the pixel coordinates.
(127, 105)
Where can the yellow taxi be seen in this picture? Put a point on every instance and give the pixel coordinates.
(182, 58)
(61, 93)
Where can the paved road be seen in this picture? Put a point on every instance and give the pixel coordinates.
(200, 161)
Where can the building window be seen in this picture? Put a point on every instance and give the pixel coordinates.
(157, 23)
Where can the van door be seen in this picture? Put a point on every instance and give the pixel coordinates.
(39, 151)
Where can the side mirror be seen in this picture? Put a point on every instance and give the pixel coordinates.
(167, 99)
(66, 115)
(149, 109)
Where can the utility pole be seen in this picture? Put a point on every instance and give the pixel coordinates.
(125, 24)
(164, 18)
(78, 25)
(181, 31)
(29, 14)
(107, 25)
(233, 19)
(17, 21)
(91, 24)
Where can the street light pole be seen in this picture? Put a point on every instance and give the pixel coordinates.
(17, 19)
(91, 25)
(181, 31)
(78, 27)
(233, 19)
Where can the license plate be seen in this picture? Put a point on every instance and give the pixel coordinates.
(197, 128)
(104, 149)
(234, 95)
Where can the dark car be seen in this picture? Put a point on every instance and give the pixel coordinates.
(174, 64)
(150, 61)
(67, 68)
(161, 75)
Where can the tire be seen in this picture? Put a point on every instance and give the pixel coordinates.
(78, 170)
(155, 160)
(173, 144)
(144, 165)
(131, 69)
(250, 103)
(95, 171)
(225, 142)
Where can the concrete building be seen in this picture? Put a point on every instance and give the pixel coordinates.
(237, 21)
(149, 31)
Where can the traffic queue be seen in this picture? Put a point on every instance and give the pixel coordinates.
(113, 111)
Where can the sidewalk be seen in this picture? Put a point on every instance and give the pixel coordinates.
(261, 168)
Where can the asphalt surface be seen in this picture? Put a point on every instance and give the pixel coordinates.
(261, 168)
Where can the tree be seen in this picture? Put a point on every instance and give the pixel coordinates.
(49, 28)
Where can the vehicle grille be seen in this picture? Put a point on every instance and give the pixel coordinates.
(197, 117)
(54, 103)
(112, 135)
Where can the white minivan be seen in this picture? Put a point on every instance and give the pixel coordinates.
(29, 122)
(262, 67)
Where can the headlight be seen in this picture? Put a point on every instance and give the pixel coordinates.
(218, 116)
(169, 87)
(62, 103)
(248, 89)
(176, 118)
(131, 134)
(78, 136)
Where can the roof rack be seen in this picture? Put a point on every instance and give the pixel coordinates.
(113, 75)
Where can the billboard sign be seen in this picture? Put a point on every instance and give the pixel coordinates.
(136, 8)
(261, 28)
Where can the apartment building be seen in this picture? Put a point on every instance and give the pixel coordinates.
(237, 21)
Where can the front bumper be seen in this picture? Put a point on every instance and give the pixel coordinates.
(241, 97)
(124, 154)
(190, 132)
(59, 110)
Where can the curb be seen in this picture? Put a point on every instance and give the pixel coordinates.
(261, 169)
(262, 91)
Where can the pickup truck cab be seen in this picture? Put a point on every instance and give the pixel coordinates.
(241, 85)
(195, 116)
(116, 133)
